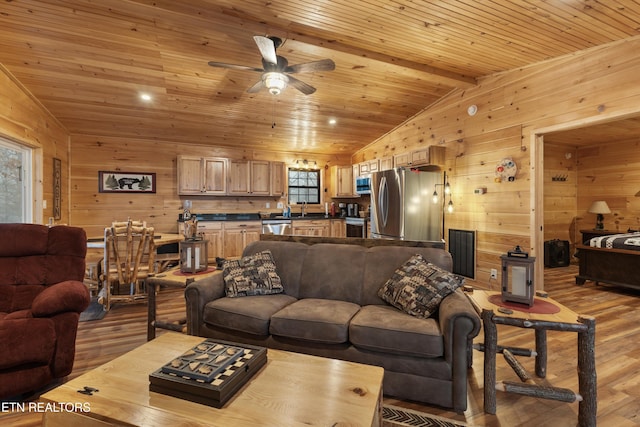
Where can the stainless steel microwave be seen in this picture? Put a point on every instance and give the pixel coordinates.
(363, 185)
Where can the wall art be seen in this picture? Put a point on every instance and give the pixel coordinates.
(126, 182)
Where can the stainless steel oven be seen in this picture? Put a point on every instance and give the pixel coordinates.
(356, 227)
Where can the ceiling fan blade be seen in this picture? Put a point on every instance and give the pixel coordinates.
(234, 67)
(267, 49)
(256, 87)
(301, 86)
(310, 67)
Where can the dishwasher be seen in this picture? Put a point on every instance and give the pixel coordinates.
(280, 227)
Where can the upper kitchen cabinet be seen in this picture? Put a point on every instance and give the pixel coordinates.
(386, 163)
(431, 155)
(368, 167)
(249, 178)
(343, 181)
(278, 179)
(221, 176)
(202, 175)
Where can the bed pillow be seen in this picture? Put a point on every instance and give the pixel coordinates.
(418, 287)
(251, 275)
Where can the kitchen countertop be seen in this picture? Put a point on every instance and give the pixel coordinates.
(256, 217)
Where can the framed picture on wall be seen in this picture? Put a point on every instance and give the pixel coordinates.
(126, 182)
(57, 188)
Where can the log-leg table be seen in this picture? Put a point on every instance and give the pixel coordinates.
(172, 278)
(545, 315)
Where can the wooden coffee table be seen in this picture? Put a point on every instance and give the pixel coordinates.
(291, 389)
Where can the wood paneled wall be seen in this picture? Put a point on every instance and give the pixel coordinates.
(561, 195)
(25, 121)
(513, 107)
(610, 172)
(93, 210)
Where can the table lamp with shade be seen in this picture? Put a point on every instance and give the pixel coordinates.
(599, 207)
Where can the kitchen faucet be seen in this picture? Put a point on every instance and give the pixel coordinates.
(303, 208)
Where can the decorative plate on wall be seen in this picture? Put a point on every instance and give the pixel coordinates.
(506, 170)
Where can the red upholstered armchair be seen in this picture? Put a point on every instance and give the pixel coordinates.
(41, 298)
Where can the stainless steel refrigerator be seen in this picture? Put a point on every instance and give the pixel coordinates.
(402, 205)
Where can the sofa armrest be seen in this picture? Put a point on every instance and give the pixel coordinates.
(460, 324)
(70, 295)
(197, 295)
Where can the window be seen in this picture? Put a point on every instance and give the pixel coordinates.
(304, 186)
(15, 183)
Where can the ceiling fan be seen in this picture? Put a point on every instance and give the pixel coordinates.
(276, 71)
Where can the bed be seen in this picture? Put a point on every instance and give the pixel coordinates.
(612, 259)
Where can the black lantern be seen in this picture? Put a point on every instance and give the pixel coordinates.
(517, 277)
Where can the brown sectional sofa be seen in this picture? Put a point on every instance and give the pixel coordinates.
(330, 307)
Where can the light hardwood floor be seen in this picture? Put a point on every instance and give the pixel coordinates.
(617, 314)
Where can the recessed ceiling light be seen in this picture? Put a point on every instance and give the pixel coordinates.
(332, 121)
(145, 97)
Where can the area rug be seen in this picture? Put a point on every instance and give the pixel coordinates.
(95, 311)
(394, 416)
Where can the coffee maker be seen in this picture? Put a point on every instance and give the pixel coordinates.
(343, 210)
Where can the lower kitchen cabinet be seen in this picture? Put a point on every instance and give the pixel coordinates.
(237, 235)
(212, 232)
(338, 228)
(311, 227)
(227, 239)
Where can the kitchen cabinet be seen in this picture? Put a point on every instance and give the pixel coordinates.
(343, 181)
(237, 235)
(338, 228)
(202, 175)
(311, 227)
(278, 179)
(431, 155)
(212, 232)
(368, 167)
(249, 178)
(386, 163)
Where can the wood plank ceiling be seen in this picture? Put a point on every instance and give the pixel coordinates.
(87, 61)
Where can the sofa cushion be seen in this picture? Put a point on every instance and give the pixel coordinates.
(249, 314)
(288, 257)
(384, 329)
(251, 275)
(333, 271)
(382, 262)
(418, 287)
(313, 319)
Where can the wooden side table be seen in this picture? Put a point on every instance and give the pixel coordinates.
(171, 278)
(563, 319)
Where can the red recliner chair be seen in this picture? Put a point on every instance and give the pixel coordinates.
(41, 298)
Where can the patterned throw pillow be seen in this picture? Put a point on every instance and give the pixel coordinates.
(251, 275)
(418, 287)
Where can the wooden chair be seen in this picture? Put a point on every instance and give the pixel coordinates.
(129, 258)
(93, 273)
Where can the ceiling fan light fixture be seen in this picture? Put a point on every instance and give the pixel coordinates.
(275, 82)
